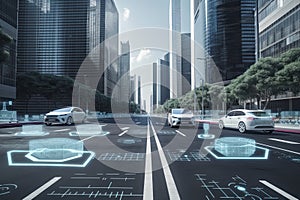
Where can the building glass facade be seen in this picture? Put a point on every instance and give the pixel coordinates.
(281, 35)
(226, 32)
(163, 80)
(124, 72)
(186, 62)
(56, 36)
(52, 36)
(9, 25)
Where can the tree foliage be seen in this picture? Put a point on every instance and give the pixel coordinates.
(59, 89)
(268, 77)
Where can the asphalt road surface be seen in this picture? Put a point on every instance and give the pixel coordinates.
(142, 158)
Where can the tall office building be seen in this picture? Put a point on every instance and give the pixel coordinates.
(154, 87)
(54, 37)
(9, 25)
(132, 88)
(186, 62)
(279, 31)
(225, 32)
(139, 92)
(279, 26)
(175, 48)
(124, 72)
(163, 79)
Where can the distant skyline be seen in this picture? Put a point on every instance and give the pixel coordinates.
(140, 14)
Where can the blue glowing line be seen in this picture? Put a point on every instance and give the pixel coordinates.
(49, 164)
(89, 134)
(206, 136)
(209, 148)
(31, 134)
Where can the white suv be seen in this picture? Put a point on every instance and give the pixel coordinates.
(243, 120)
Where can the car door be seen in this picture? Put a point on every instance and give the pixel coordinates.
(228, 119)
(237, 118)
(78, 115)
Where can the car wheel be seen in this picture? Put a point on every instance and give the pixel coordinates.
(47, 123)
(242, 127)
(69, 121)
(221, 124)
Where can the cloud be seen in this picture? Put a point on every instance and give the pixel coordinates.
(144, 53)
(126, 14)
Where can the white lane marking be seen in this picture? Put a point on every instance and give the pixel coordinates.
(284, 141)
(42, 188)
(148, 181)
(286, 150)
(89, 138)
(172, 189)
(278, 190)
(125, 128)
(121, 134)
(180, 133)
(61, 130)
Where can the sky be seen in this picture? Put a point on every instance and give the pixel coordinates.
(140, 14)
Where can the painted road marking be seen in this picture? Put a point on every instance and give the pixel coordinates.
(172, 189)
(284, 141)
(62, 130)
(125, 128)
(89, 138)
(148, 181)
(180, 133)
(121, 134)
(42, 188)
(286, 150)
(278, 190)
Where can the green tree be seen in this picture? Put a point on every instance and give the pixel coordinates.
(170, 104)
(289, 77)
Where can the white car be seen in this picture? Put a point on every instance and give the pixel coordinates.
(66, 116)
(179, 116)
(244, 120)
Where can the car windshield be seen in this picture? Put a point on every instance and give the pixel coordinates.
(178, 111)
(63, 110)
(260, 114)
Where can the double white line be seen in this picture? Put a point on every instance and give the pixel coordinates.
(148, 182)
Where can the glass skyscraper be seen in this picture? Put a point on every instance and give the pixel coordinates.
(175, 48)
(55, 36)
(225, 33)
(52, 36)
(9, 25)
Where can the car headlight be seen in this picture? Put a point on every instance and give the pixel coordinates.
(63, 115)
(174, 117)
